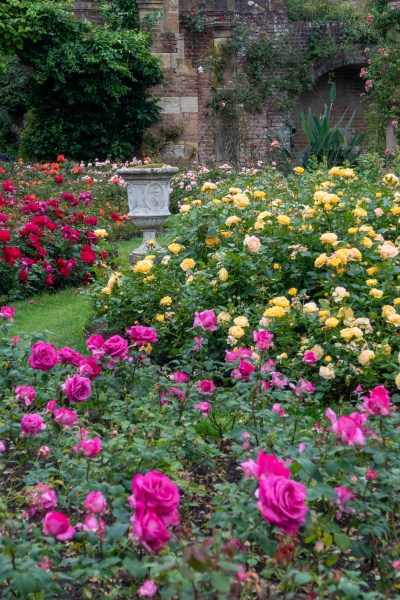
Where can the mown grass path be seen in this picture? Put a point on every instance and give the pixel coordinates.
(62, 315)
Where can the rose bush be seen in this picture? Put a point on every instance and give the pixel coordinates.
(312, 257)
(141, 489)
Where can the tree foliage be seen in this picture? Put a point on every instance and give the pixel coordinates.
(88, 96)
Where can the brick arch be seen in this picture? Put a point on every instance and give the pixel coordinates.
(358, 57)
(349, 88)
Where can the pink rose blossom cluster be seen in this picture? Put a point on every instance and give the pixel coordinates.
(7, 313)
(155, 499)
(206, 320)
(141, 336)
(281, 501)
(377, 403)
(348, 428)
(90, 447)
(40, 499)
(26, 393)
(95, 504)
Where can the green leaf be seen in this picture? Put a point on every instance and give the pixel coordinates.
(342, 541)
(134, 567)
(116, 531)
(221, 582)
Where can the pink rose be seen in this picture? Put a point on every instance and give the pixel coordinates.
(263, 339)
(116, 346)
(25, 392)
(142, 336)
(68, 355)
(95, 503)
(348, 428)
(371, 475)
(203, 407)
(268, 366)
(343, 496)
(278, 381)
(205, 386)
(65, 417)
(77, 388)
(282, 503)
(206, 320)
(57, 525)
(95, 345)
(181, 377)
(44, 356)
(232, 356)
(148, 589)
(32, 424)
(88, 367)
(92, 524)
(266, 466)
(310, 358)
(2, 446)
(277, 408)
(150, 530)
(90, 447)
(377, 403)
(40, 498)
(7, 312)
(245, 369)
(43, 451)
(155, 492)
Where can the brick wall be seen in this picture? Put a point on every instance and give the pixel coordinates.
(186, 92)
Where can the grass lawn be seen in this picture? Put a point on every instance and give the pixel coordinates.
(63, 315)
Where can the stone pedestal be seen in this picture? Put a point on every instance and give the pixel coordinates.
(148, 199)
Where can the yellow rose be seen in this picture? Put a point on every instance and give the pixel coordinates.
(106, 290)
(276, 266)
(391, 179)
(143, 266)
(334, 171)
(371, 282)
(187, 264)
(166, 301)
(160, 318)
(309, 308)
(212, 241)
(387, 251)
(274, 311)
(223, 275)
(320, 196)
(394, 319)
(280, 301)
(327, 372)
(359, 212)
(395, 210)
(260, 195)
(321, 260)
(375, 293)
(184, 208)
(323, 313)
(365, 357)
(331, 322)
(148, 278)
(397, 380)
(100, 233)
(240, 201)
(241, 321)
(150, 257)
(208, 187)
(328, 238)
(234, 191)
(292, 291)
(318, 351)
(352, 230)
(283, 219)
(372, 270)
(299, 170)
(396, 301)
(216, 201)
(232, 220)
(175, 248)
(223, 317)
(226, 234)
(236, 332)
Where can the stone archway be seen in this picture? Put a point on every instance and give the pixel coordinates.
(349, 88)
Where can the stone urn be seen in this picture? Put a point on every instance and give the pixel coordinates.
(148, 198)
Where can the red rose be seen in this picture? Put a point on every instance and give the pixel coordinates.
(58, 179)
(88, 256)
(5, 236)
(60, 158)
(11, 255)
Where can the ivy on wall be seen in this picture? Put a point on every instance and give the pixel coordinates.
(253, 71)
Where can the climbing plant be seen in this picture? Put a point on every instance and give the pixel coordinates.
(255, 71)
(382, 76)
